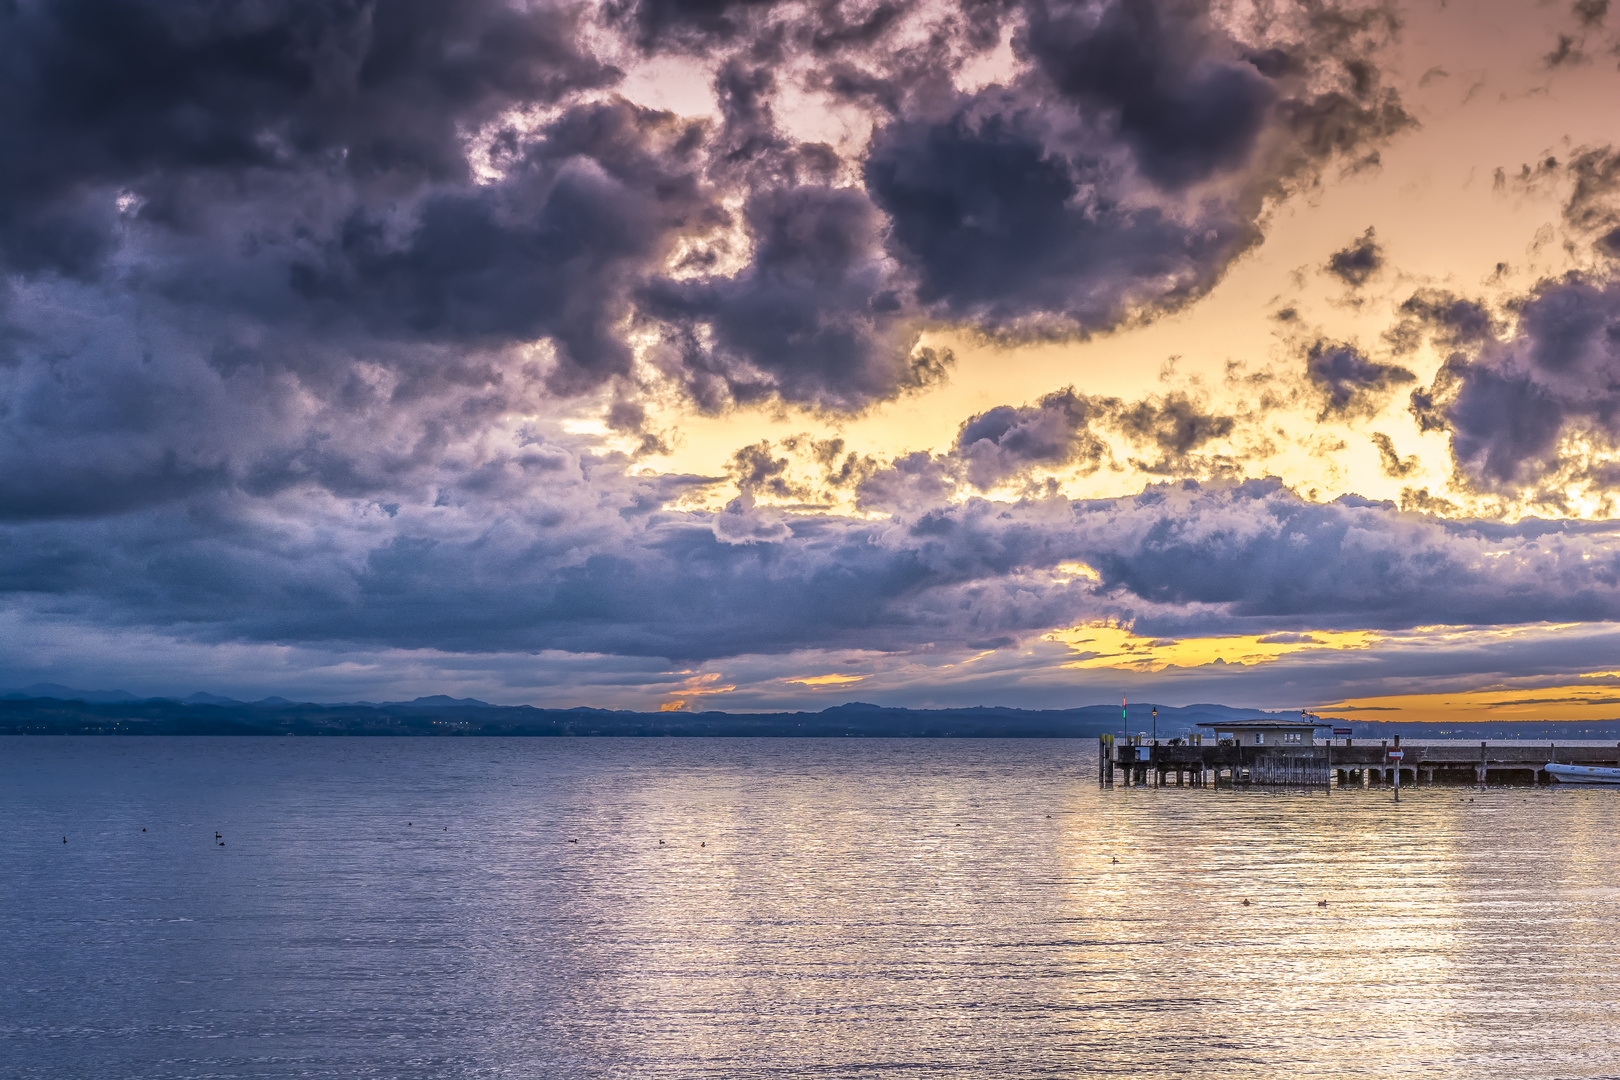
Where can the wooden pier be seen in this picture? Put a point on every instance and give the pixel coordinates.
(1323, 765)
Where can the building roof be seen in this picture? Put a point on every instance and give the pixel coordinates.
(1265, 724)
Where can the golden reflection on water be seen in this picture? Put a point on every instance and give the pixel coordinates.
(884, 906)
(742, 908)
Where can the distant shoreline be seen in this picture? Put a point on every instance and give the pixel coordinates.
(160, 716)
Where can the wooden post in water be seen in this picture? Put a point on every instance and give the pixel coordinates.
(1396, 755)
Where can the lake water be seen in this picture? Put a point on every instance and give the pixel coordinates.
(780, 908)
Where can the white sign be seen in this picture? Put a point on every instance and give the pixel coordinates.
(1397, 754)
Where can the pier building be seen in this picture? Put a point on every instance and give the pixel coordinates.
(1283, 735)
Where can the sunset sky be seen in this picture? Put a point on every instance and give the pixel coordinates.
(752, 355)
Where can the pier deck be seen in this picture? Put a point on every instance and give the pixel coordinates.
(1354, 765)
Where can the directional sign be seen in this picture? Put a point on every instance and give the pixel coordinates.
(1397, 754)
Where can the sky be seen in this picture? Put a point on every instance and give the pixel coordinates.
(695, 354)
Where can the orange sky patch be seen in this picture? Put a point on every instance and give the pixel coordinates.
(1558, 703)
(826, 680)
(694, 687)
(1108, 646)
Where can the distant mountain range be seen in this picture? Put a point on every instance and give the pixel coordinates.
(51, 709)
(58, 692)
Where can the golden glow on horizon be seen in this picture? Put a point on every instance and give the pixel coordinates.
(826, 680)
(1109, 646)
(1555, 703)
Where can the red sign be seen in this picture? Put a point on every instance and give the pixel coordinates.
(1342, 731)
(1397, 753)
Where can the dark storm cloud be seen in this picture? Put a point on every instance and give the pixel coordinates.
(1592, 210)
(1510, 404)
(1347, 382)
(1007, 441)
(297, 297)
(1529, 405)
(1063, 431)
(756, 471)
(814, 318)
(1452, 322)
(576, 571)
(1258, 552)
(999, 229)
(1357, 263)
(690, 23)
(1121, 174)
(302, 179)
(1175, 425)
(1186, 110)
(286, 272)
(553, 251)
(98, 93)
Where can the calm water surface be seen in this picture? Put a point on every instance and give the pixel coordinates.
(780, 908)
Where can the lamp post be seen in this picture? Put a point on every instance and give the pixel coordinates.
(1155, 724)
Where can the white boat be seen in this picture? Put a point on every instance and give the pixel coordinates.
(1583, 774)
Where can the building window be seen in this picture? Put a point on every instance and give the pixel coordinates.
(1293, 736)
(1259, 738)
